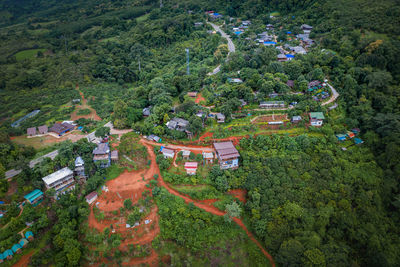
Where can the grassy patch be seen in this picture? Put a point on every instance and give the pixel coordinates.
(113, 172)
(28, 54)
(83, 112)
(142, 18)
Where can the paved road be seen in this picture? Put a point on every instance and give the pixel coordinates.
(231, 46)
(32, 163)
(334, 96)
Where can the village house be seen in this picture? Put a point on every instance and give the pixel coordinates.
(281, 57)
(227, 155)
(102, 155)
(269, 43)
(178, 124)
(185, 154)
(208, 157)
(306, 28)
(215, 16)
(235, 80)
(167, 152)
(272, 104)
(269, 27)
(246, 22)
(296, 119)
(31, 131)
(146, 112)
(198, 24)
(91, 198)
(8, 254)
(34, 197)
(298, 50)
(114, 156)
(316, 118)
(80, 168)
(43, 129)
(61, 181)
(341, 137)
(242, 102)
(220, 117)
(192, 94)
(290, 83)
(29, 235)
(62, 128)
(191, 168)
(93, 139)
(289, 57)
(23, 242)
(154, 138)
(16, 248)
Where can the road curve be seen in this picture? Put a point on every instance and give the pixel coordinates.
(334, 96)
(231, 46)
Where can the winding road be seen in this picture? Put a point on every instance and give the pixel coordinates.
(334, 96)
(231, 46)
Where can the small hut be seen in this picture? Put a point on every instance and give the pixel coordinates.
(16, 248)
(185, 154)
(29, 235)
(23, 242)
(8, 254)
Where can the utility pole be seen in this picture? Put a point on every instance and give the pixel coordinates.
(139, 63)
(187, 61)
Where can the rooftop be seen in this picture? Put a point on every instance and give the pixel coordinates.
(226, 150)
(33, 195)
(79, 161)
(91, 195)
(191, 165)
(101, 148)
(58, 175)
(317, 115)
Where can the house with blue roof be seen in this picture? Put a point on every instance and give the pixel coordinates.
(341, 137)
(29, 235)
(289, 57)
(8, 254)
(2, 257)
(34, 197)
(23, 242)
(16, 248)
(270, 43)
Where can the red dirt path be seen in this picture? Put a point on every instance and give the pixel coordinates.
(200, 204)
(239, 194)
(24, 261)
(199, 98)
(93, 115)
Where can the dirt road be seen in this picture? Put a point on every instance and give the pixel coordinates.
(334, 96)
(199, 204)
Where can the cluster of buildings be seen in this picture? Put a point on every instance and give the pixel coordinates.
(350, 135)
(17, 247)
(214, 15)
(242, 28)
(318, 90)
(225, 152)
(58, 128)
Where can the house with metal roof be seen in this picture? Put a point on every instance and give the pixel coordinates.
(208, 157)
(8, 254)
(114, 156)
(191, 167)
(167, 152)
(178, 124)
(227, 155)
(80, 167)
(61, 181)
(31, 131)
(341, 137)
(91, 197)
(62, 128)
(272, 104)
(220, 117)
(34, 197)
(23, 242)
(29, 235)
(16, 248)
(185, 154)
(296, 119)
(102, 155)
(43, 129)
(316, 118)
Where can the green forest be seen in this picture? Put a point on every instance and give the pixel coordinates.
(311, 199)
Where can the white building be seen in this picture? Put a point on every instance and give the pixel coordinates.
(61, 181)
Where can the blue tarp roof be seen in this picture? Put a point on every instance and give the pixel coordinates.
(33, 195)
(2, 257)
(1, 202)
(28, 234)
(238, 33)
(7, 253)
(16, 247)
(270, 42)
(358, 141)
(23, 241)
(289, 56)
(289, 32)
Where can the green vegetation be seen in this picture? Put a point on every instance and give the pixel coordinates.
(85, 111)
(29, 54)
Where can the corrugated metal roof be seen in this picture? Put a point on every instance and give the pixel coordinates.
(58, 175)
